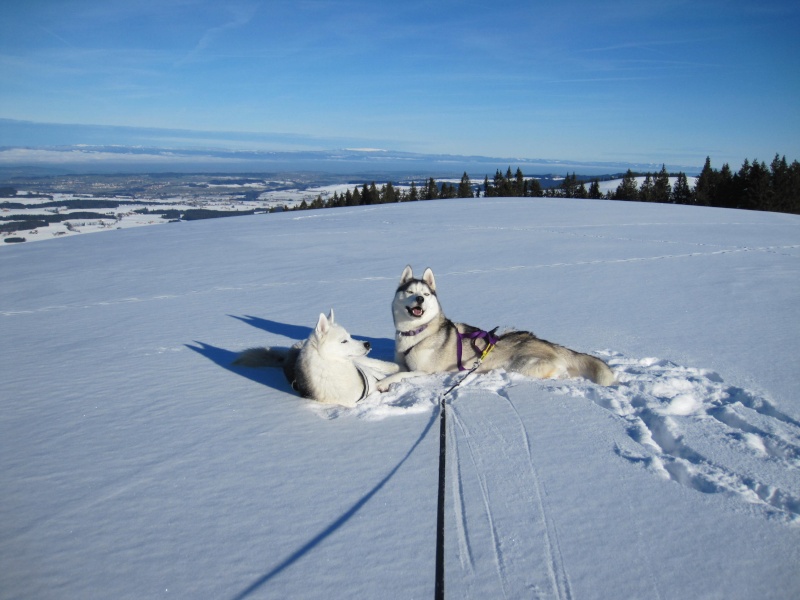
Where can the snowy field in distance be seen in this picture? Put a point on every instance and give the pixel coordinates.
(126, 215)
(612, 184)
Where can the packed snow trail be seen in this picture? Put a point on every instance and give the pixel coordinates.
(501, 462)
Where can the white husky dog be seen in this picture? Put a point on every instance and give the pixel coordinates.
(329, 367)
(427, 341)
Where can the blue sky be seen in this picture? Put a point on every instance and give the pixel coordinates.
(670, 81)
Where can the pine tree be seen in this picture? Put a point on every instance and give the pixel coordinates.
(756, 190)
(413, 194)
(681, 193)
(519, 183)
(661, 186)
(627, 190)
(705, 188)
(369, 194)
(779, 183)
(388, 193)
(487, 190)
(646, 190)
(507, 184)
(569, 186)
(725, 193)
(594, 190)
(465, 187)
(498, 184)
(535, 188)
(791, 202)
(431, 190)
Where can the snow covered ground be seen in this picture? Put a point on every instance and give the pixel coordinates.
(136, 462)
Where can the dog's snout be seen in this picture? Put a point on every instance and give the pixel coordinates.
(367, 345)
(420, 299)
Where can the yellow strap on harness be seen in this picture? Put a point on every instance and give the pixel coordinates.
(486, 351)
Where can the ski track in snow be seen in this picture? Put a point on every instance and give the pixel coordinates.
(521, 538)
(540, 536)
(581, 231)
(681, 423)
(555, 563)
(463, 531)
(239, 287)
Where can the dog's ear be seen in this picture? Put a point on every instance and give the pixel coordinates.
(407, 275)
(427, 277)
(322, 326)
(330, 316)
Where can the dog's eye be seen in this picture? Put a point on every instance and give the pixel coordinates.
(345, 341)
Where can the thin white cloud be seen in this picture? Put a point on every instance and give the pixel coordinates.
(60, 38)
(241, 16)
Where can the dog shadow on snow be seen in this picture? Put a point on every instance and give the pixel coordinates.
(382, 348)
(272, 378)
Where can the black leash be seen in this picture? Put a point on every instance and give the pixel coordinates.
(438, 593)
(438, 590)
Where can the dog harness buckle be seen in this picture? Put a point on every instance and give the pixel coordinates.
(490, 338)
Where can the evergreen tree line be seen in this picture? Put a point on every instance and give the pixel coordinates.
(755, 187)
(511, 185)
(655, 188)
(388, 193)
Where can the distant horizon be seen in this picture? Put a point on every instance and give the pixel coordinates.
(88, 148)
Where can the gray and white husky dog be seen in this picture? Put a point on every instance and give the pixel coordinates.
(427, 341)
(329, 367)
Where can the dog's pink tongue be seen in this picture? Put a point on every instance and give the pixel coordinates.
(417, 311)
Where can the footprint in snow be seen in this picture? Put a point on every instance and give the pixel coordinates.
(692, 428)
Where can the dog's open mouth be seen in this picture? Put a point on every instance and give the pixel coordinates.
(415, 311)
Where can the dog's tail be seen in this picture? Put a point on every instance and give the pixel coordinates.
(278, 358)
(592, 368)
(263, 357)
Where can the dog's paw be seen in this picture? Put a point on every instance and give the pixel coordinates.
(384, 387)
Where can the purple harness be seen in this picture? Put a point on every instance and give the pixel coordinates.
(489, 336)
